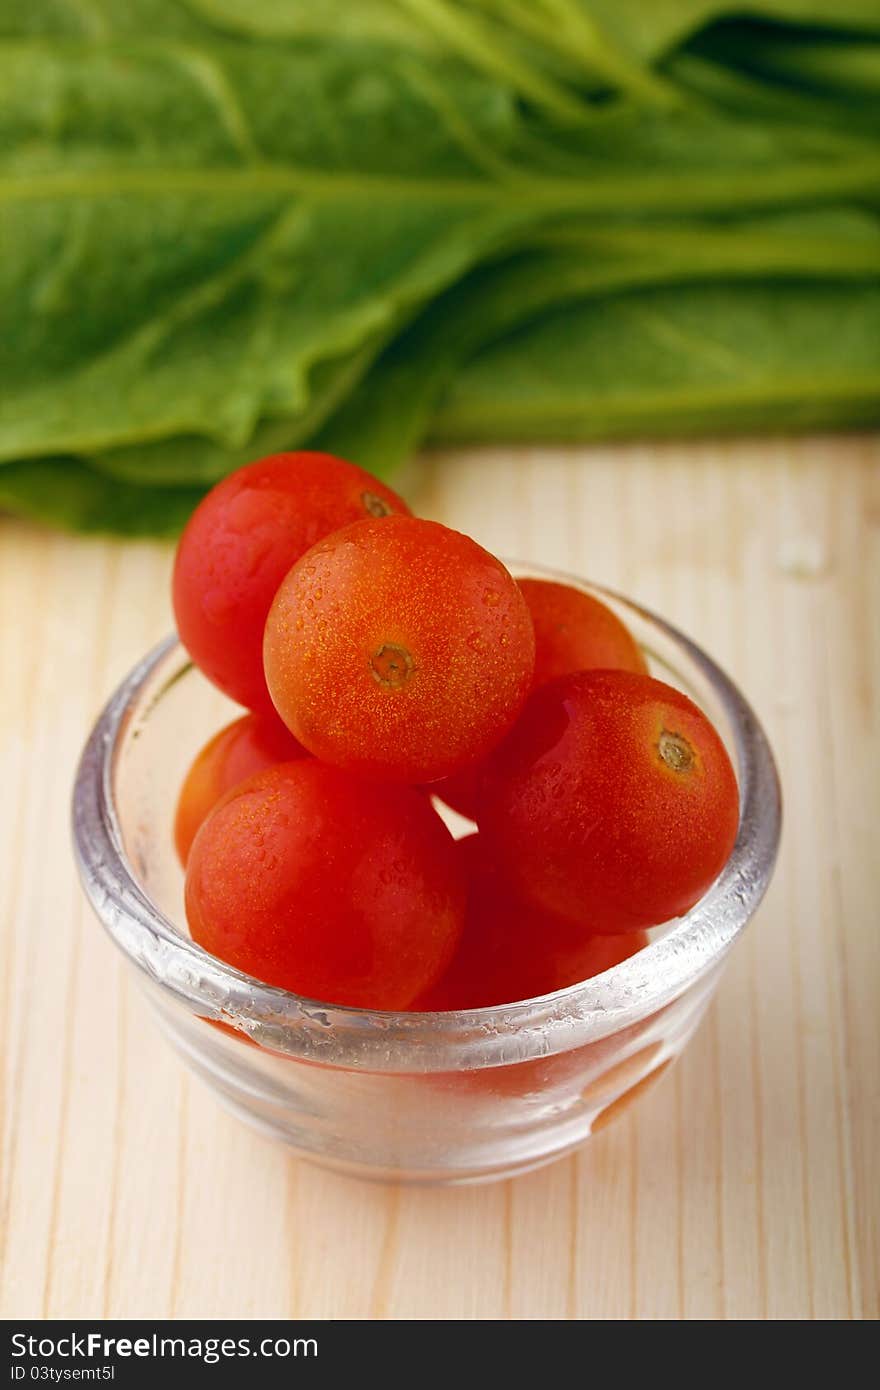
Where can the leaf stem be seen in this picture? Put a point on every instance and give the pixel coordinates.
(481, 46)
(577, 31)
(640, 192)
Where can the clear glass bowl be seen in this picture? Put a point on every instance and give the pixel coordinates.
(453, 1097)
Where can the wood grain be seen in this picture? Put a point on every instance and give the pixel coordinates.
(743, 1186)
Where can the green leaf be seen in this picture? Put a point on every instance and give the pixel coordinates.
(385, 417)
(382, 417)
(177, 257)
(846, 66)
(64, 492)
(227, 229)
(208, 285)
(366, 20)
(678, 360)
(654, 29)
(187, 458)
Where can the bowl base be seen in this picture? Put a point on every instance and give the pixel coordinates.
(399, 1177)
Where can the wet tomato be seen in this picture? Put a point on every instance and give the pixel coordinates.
(575, 632)
(509, 951)
(247, 746)
(612, 803)
(327, 885)
(240, 542)
(399, 649)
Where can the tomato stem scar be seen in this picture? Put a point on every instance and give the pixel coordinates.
(675, 751)
(391, 666)
(375, 505)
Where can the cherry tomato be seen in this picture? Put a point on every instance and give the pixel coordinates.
(399, 649)
(575, 632)
(612, 803)
(240, 542)
(243, 748)
(327, 885)
(509, 952)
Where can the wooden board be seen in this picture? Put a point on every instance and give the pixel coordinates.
(743, 1186)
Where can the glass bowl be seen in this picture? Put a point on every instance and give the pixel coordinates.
(445, 1097)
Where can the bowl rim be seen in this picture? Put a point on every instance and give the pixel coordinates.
(370, 1039)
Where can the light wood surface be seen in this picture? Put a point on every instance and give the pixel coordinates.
(743, 1186)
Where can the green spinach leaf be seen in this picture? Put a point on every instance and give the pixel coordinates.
(228, 229)
(760, 356)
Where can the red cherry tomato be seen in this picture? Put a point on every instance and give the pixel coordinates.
(399, 649)
(613, 802)
(240, 542)
(509, 952)
(575, 632)
(243, 748)
(327, 885)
